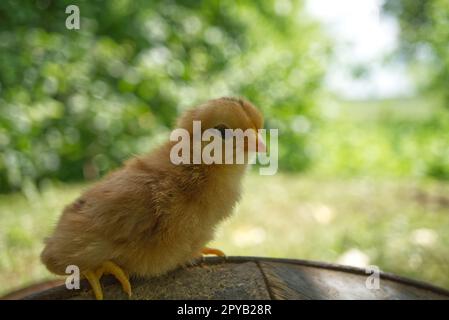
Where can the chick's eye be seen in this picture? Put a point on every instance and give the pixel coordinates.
(222, 128)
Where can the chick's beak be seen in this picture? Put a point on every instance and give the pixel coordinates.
(260, 144)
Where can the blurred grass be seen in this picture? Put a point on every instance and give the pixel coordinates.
(25, 220)
(400, 226)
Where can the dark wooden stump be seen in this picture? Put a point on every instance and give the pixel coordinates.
(258, 278)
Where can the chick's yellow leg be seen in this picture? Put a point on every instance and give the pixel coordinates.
(213, 251)
(109, 267)
(94, 281)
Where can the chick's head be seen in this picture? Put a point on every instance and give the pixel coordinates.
(231, 119)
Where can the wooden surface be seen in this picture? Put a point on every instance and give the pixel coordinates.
(257, 278)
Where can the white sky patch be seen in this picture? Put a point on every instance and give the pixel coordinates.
(363, 37)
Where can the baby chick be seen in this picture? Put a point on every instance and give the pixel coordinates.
(151, 215)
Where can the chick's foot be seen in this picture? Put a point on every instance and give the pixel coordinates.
(213, 251)
(107, 267)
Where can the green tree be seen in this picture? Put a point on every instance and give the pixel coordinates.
(78, 102)
(424, 35)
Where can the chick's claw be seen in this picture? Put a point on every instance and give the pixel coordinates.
(107, 267)
(213, 251)
(110, 267)
(94, 282)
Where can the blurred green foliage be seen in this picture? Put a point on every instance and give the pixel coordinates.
(424, 38)
(78, 102)
(390, 138)
(75, 103)
(424, 35)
